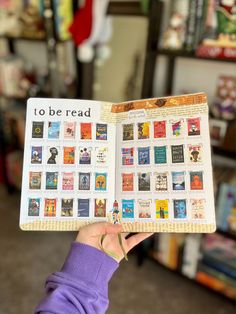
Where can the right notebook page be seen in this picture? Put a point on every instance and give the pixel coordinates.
(163, 165)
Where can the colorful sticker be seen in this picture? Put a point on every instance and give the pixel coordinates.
(143, 130)
(159, 129)
(67, 207)
(195, 153)
(69, 130)
(54, 129)
(127, 182)
(101, 155)
(83, 207)
(36, 154)
(67, 181)
(198, 208)
(127, 156)
(144, 183)
(177, 153)
(101, 131)
(100, 181)
(100, 207)
(52, 155)
(51, 180)
(196, 180)
(178, 181)
(33, 207)
(193, 126)
(180, 208)
(162, 209)
(37, 129)
(144, 208)
(160, 156)
(128, 132)
(143, 155)
(85, 131)
(177, 127)
(69, 155)
(84, 181)
(35, 179)
(127, 208)
(161, 182)
(85, 155)
(50, 207)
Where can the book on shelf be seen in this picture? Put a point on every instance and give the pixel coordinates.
(145, 164)
(226, 208)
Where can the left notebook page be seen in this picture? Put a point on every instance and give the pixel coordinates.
(69, 164)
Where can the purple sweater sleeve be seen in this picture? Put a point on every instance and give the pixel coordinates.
(82, 284)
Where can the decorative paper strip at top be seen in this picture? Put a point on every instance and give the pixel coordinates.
(172, 101)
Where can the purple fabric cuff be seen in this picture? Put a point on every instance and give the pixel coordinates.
(89, 264)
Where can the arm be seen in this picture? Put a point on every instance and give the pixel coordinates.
(81, 286)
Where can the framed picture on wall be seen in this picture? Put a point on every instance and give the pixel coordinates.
(217, 131)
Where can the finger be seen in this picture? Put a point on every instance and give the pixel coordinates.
(125, 234)
(100, 228)
(136, 239)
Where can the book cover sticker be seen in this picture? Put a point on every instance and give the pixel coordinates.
(35, 179)
(144, 208)
(196, 180)
(84, 181)
(68, 181)
(143, 130)
(67, 207)
(127, 208)
(127, 156)
(128, 132)
(178, 180)
(143, 155)
(51, 180)
(159, 129)
(100, 207)
(162, 210)
(161, 183)
(69, 130)
(100, 181)
(36, 154)
(193, 126)
(52, 155)
(37, 129)
(85, 131)
(50, 207)
(83, 207)
(101, 131)
(180, 208)
(54, 129)
(160, 156)
(177, 153)
(198, 208)
(144, 183)
(69, 155)
(177, 128)
(33, 206)
(195, 153)
(101, 155)
(127, 182)
(85, 155)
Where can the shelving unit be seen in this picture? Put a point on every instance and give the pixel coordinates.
(153, 53)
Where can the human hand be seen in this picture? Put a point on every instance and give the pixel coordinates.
(92, 235)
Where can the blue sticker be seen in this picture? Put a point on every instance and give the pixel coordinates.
(127, 208)
(54, 129)
(144, 155)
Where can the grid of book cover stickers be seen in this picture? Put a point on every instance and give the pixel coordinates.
(145, 166)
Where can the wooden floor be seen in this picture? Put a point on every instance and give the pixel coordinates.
(28, 257)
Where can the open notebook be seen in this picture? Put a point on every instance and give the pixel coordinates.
(145, 164)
